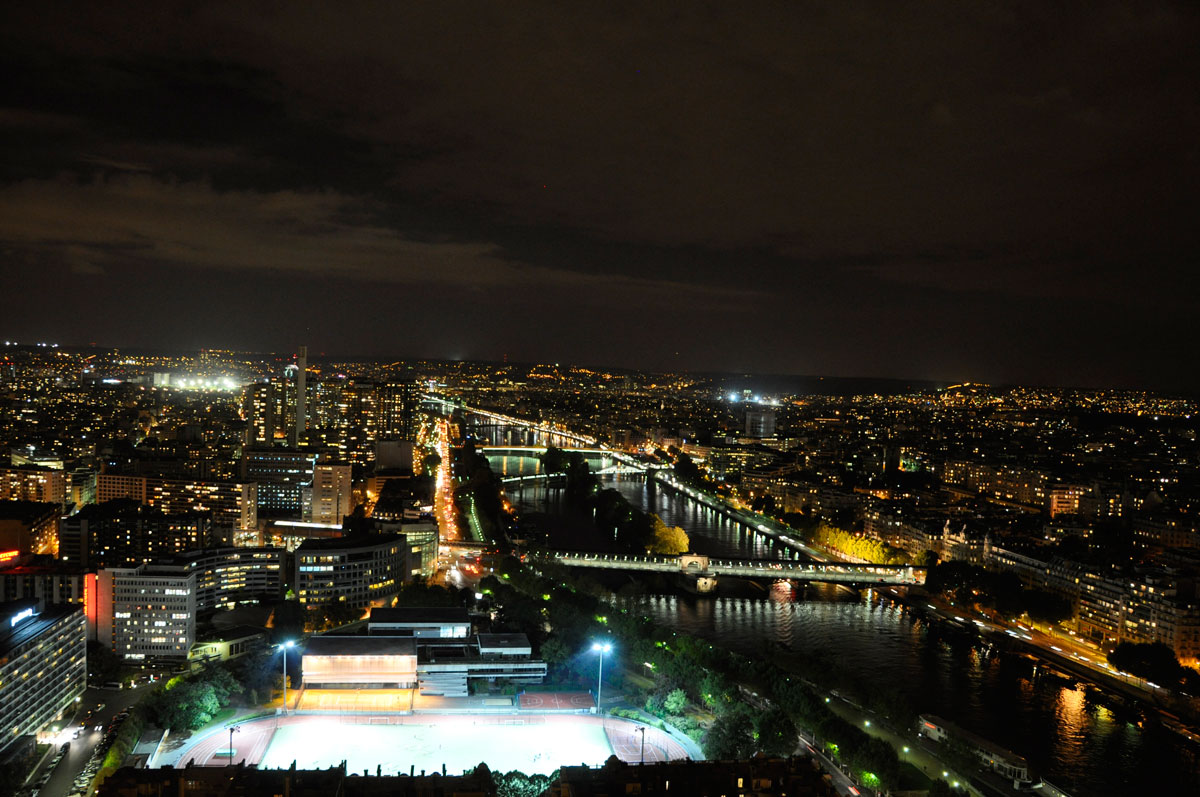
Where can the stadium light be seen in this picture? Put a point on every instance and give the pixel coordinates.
(601, 649)
(291, 643)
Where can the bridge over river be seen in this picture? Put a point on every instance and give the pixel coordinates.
(706, 570)
(618, 462)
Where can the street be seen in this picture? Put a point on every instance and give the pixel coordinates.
(62, 780)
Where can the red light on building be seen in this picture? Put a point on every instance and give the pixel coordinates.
(8, 556)
(90, 608)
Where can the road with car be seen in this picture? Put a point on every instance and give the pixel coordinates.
(62, 777)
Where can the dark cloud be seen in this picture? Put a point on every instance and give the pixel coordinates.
(996, 190)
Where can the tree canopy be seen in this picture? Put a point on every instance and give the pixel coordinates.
(668, 539)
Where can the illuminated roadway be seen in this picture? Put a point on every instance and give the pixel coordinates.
(443, 495)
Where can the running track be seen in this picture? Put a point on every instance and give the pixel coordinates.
(251, 739)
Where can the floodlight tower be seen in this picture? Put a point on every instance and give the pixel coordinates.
(601, 648)
(291, 643)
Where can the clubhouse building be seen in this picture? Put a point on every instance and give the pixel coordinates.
(428, 649)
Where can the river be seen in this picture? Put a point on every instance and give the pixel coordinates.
(1068, 736)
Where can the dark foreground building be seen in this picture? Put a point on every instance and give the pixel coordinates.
(757, 777)
(800, 776)
(240, 781)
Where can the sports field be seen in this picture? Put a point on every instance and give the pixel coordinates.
(458, 743)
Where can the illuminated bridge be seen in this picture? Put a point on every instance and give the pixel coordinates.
(623, 463)
(565, 436)
(707, 570)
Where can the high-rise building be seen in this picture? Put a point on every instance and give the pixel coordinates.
(277, 411)
(43, 665)
(330, 497)
(32, 483)
(27, 527)
(397, 410)
(226, 577)
(280, 473)
(760, 422)
(147, 612)
(234, 505)
(124, 533)
(300, 430)
(355, 430)
(355, 572)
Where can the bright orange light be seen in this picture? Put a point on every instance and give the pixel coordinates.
(8, 556)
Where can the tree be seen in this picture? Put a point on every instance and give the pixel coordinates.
(188, 705)
(775, 732)
(686, 470)
(431, 461)
(1046, 607)
(676, 701)
(730, 736)
(338, 613)
(554, 460)
(555, 651)
(1155, 662)
(668, 539)
(714, 689)
(518, 784)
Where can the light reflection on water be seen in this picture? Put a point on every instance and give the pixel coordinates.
(1065, 733)
(1067, 737)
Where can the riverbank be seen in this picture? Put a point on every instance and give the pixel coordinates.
(1073, 660)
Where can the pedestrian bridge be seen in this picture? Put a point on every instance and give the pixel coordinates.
(705, 567)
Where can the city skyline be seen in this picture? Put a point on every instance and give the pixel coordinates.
(1001, 194)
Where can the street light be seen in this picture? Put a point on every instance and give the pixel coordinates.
(642, 730)
(601, 649)
(291, 643)
(232, 730)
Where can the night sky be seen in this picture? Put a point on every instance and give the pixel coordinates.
(991, 191)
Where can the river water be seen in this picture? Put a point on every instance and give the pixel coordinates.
(1068, 736)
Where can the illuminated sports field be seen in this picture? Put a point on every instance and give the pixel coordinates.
(536, 748)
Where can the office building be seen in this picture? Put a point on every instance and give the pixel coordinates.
(396, 406)
(280, 474)
(51, 583)
(300, 427)
(124, 533)
(43, 665)
(29, 527)
(760, 422)
(330, 498)
(33, 483)
(234, 505)
(354, 571)
(226, 577)
(149, 612)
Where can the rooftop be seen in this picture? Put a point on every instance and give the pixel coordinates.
(328, 645)
(345, 543)
(34, 625)
(27, 511)
(420, 614)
